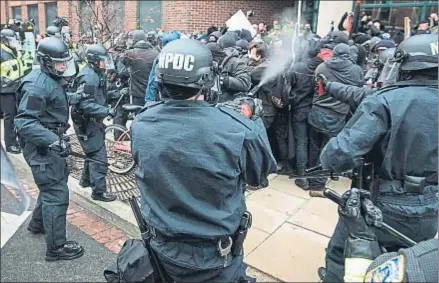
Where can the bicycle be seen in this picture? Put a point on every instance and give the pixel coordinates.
(118, 142)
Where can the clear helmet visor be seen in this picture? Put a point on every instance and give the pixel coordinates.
(14, 199)
(12, 41)
(64, 67)
(106, 62)
(389, 73)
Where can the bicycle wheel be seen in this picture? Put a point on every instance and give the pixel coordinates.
(118, 145)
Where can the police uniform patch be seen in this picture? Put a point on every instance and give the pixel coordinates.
(390, 271)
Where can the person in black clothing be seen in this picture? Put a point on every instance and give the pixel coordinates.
(138, 63)
(301, 75)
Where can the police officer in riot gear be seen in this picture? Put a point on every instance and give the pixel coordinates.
(43, 115)
(9, 74)
(53, 31)
(194, 206)
(365, 261)
(396, 129)
(88, 118)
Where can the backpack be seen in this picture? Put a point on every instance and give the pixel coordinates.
(133, 264)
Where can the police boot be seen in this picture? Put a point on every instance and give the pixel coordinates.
(35, 229)
(13, 149)
(105, 197)
(301, 183)
(70, 250)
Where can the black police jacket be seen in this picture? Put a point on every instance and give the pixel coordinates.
(139, 61)
(43, 109)
(93, 109)
(193, 162)
(397, 129)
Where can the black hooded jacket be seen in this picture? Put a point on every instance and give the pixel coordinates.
(341, 68)
(139, 60)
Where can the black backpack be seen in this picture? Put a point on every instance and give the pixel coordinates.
(133, 264)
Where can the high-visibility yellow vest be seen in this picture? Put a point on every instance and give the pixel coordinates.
(10, 69)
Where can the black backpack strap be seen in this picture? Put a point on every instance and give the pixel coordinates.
(151, 104)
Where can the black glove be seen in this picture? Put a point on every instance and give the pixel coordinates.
(359, 214)
(124, 91)
(112, 113)
(62, 147)
(224, 81)
(76, 97)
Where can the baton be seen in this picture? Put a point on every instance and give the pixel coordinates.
(76, 154)
(385, 228)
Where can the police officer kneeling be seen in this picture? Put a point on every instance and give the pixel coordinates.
(397, 130)
(364, 259)
(88, 122)
(43, 115)
(193, 161)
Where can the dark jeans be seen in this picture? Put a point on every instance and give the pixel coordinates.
(278, 126)
(418, 228)
(318, 140)
(300, 130)
(9, 109)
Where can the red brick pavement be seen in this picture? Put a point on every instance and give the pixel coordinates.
(103, 232)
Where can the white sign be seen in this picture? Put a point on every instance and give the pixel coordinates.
(239, 21)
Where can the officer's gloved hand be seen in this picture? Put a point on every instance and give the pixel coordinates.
(359, 214)
(224, 81)
(124, 91)
(111, 113)
(62, 147)
(76, 97)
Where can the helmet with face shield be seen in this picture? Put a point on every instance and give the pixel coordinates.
(98, 56)
(9, 37)
(54, 57)
(415, 54)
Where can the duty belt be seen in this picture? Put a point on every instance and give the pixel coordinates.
(96, 120)
(410, 185)
(227, 245)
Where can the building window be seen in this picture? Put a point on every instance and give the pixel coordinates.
(150, 15)
(16, 13)
(310, 13)
(51, 10)
(32, 13)
(392, 13)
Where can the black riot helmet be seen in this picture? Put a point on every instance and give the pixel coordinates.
(418, 52)
(54, 57)
(9, 37)
(186, 63)
(99, 57)
(53, 31)
(152, 37)
(136, 36)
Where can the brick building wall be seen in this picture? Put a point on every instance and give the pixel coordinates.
(199, 15)
(186, 16)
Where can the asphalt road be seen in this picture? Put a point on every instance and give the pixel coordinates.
(22, 259)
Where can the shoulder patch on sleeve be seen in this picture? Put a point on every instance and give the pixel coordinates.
(390, 271)
(34, 103)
